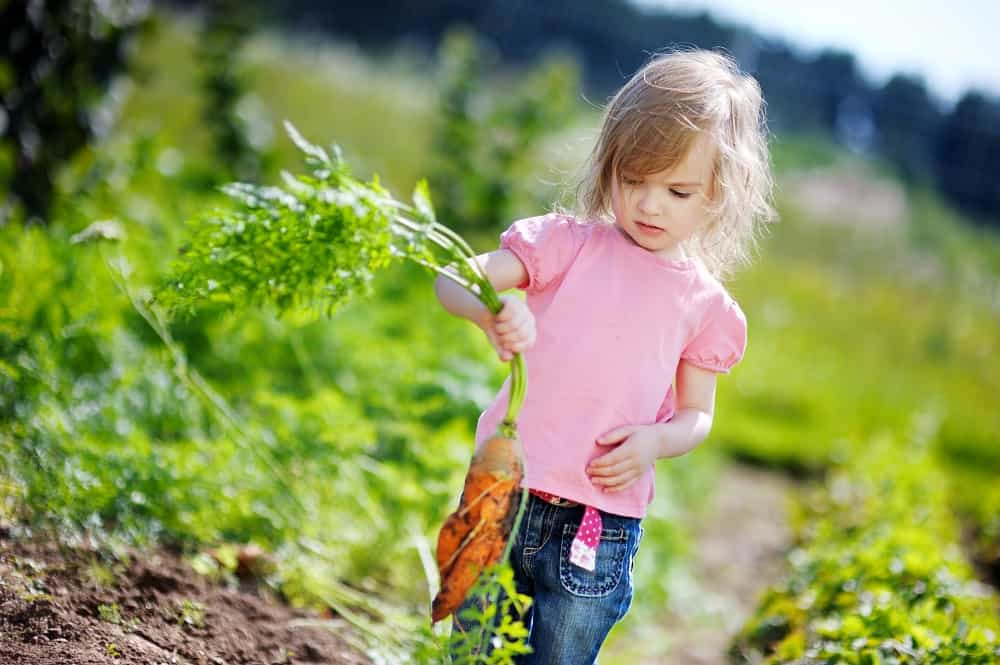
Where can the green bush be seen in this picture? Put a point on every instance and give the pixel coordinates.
(879, 576)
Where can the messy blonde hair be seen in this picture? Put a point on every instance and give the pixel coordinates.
(650, 125)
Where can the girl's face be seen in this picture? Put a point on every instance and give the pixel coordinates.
(659, 211)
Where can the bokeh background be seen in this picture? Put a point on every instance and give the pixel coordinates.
(846, 504)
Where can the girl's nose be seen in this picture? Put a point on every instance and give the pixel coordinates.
(648, 205)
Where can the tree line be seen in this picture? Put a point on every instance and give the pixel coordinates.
(956, 150)
(58, 58)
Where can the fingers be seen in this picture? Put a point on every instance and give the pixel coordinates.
(513, 318)
(614, 472)
(516, 341)
(618, 482)
(620, 487)
(506, 312)
(507, 345)
(609, 468)
(512, 305)
(616, 435)
(514, 328)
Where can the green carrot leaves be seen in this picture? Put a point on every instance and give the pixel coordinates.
(313, 242)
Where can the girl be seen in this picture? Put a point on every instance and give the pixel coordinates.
(624, 329)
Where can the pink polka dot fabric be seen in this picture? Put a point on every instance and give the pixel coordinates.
(583, 550)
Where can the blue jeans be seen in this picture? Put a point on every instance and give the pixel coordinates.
(573, 609)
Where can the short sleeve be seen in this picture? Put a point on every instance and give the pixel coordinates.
(546, 245)
(722, 340)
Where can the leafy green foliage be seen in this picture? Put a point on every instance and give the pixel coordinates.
(874, 328)
(314, 242)
(191, 613)
(318, 242)
(879, 577)
(115, 430)
(110, 613)
(495, 631)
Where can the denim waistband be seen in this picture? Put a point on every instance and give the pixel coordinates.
(554, 500)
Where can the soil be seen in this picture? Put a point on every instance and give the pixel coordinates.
(62, 606)
(739, 553)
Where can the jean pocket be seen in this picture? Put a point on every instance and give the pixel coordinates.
(612, 554)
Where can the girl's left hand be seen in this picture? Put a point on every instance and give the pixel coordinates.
(616, 470)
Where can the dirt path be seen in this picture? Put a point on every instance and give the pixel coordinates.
(70, 607)
(739, 550)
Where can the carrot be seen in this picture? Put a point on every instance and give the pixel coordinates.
(453, 532)
(475, 535)
(471, 560)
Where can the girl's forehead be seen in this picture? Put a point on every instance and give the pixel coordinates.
(694, 166)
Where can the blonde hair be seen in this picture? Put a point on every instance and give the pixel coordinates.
(650, 125)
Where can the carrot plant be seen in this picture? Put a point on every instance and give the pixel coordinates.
(315, 243)
(318, 241)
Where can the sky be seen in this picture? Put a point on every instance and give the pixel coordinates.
(952, 45)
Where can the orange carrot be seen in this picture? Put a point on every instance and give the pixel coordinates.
(474, 556)
(475, 535)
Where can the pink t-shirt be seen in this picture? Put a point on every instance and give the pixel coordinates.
(613, 321)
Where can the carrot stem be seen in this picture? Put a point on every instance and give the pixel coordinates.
(457, 247)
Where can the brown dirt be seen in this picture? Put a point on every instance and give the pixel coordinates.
(739, 554)
(61, 606)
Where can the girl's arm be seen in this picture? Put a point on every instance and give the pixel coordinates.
(641, 445)
(512, 330)
(692, 421)
(504, 270)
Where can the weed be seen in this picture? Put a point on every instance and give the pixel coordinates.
(192, 613)
(110, 613)
(100, 574)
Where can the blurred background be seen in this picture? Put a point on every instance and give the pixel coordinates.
(846, 501)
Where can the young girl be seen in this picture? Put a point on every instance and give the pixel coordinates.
(624, 329)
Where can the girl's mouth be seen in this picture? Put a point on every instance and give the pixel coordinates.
(653, 230)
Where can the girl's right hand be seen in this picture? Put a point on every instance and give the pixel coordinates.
(512, 330)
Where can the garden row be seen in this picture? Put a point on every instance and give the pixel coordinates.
(879, 574)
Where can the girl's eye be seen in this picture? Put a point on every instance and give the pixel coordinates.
(680, 195)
